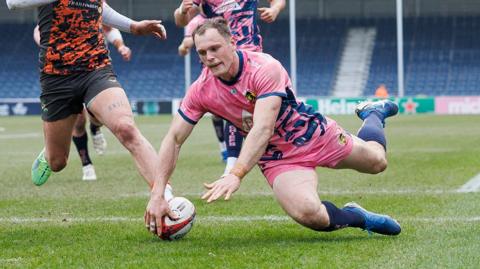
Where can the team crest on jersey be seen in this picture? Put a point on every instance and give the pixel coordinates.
(251, 97)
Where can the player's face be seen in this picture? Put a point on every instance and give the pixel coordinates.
(216, 53)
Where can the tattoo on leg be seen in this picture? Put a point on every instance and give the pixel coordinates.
(117, 104)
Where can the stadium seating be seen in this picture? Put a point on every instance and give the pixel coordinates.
(441, 57)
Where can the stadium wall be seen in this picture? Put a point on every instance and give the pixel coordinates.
(441, 105)
(163, 9)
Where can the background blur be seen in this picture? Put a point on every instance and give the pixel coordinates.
(346, 49)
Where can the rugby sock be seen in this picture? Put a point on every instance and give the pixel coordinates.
(234, 140)
(81, 143)
(340, 218)
(372, 129)
(218, 125)
(94, 128)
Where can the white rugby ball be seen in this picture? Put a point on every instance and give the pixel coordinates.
(176, 229)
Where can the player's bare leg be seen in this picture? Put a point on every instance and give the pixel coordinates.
(296, 191)
(57, 135)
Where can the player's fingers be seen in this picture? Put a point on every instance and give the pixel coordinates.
(146, 220)
(218, 192)
(208, 185)
(158, 231)
(153, 225)
(228, 195)
(207, 194)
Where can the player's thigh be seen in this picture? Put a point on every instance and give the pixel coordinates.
(111, 106)
(296, 191)
(58, 135)
(362, 157)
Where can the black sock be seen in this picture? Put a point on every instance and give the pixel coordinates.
(94, 128)
(372, 130)
(340, 218)
(81, 143)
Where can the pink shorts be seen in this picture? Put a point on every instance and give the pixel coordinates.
(327, 151)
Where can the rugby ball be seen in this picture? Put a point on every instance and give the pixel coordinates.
(176, 229)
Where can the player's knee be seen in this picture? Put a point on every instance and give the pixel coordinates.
(378, 165)
(312, 217)
(57, 163)
(125, 130)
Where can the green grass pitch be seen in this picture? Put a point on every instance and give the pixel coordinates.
(68, 223)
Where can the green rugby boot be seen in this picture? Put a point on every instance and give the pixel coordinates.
(40, 169)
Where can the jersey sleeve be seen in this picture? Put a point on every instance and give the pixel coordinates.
(191, 108)
(271, 79)
(193, 24)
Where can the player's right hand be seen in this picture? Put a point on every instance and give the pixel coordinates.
(226, 185)
(157, 208)
(186, 6)
(125, 52)
(147, 27)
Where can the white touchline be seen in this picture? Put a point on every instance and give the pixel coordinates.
(325, 192)
(223, 219)
(473, 185)
(15, 136)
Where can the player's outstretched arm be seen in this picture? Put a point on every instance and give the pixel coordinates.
(157, 206)
(26, 4)
(270, 14)
(146, 27)
(264, 118)
(185, 13)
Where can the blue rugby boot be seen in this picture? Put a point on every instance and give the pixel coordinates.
(383, 108)
(381, 224)
(40, 169)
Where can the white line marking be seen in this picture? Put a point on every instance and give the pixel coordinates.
(332, 192)
(222, 219)
(473, 185)
(15, 136)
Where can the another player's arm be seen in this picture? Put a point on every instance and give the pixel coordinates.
(185, 13)
(146, 27)
(185, 46)
(264, 118)
(270, 14)
(168, 155)
(114, 37)
(36, 35)
(26, 4)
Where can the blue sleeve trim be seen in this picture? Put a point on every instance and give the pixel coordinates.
(281, 94)
(187, 119)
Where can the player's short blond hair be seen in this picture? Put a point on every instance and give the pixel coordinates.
(220, 24)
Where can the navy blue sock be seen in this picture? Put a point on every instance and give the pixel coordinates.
(372, 130)
(81, 143)
(340, 218)
(94, 128)
(218, 126)
(234, 140)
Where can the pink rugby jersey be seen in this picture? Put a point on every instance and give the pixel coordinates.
(241, 16)
(193, 24)
(299, 135)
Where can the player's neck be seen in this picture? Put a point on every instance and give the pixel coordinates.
(232, 73)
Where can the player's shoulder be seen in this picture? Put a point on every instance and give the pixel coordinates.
(259, 61)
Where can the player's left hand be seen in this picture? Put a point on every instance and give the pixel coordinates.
(125, 52)
(147, 27)
(226, 185)
(268, 14)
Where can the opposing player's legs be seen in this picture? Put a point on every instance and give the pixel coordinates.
(296, 191)
(80, 139)
(57, 135)
(218, 125)
(111, 107)
(98, 139)
(233, 141)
